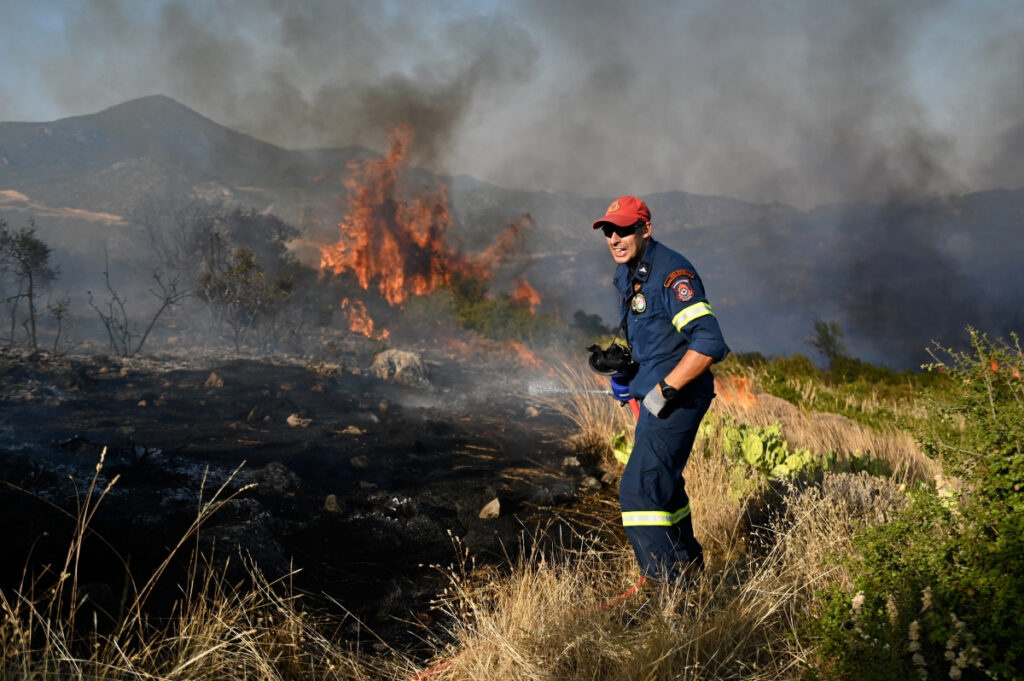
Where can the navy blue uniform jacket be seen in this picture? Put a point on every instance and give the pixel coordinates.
(666, 314)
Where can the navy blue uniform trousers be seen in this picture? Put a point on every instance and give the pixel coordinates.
(652, 491)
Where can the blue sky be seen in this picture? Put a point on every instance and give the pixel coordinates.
(798, 101)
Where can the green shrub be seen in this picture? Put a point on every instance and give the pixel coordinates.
(939, 591)
(761, 454)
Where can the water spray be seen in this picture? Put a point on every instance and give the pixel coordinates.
(535, 388)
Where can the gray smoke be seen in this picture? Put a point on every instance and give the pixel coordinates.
(800, 101)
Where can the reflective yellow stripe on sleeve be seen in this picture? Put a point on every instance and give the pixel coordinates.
(652, 518)
(688, 314)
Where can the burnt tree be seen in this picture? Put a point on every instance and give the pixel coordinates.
(24, 272)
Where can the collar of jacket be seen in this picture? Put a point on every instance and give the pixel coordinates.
(624, 280)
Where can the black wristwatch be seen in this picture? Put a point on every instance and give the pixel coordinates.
(667, 391)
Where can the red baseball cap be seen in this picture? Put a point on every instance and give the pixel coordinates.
(625, 211)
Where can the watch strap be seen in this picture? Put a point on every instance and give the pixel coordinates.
(667, 391)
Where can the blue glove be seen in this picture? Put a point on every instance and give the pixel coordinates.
(620, 387)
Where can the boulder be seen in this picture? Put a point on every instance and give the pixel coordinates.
(400, 366)
(491, 510)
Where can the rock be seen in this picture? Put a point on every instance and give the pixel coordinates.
(331, 504)
(571, 462)
(353, 430)
(296, 421)
(590, 482)
(609, 478)
(400, 366)
(327, 368)
(542, 496)
(278, 480)
(359, 461)
(213, 381)
(247, 531)
(532, 413)
(69, 379)
(491, 510)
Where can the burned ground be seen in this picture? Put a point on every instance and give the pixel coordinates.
(361, 482)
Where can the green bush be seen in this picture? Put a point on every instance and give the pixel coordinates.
(761, 454)
(939, 591)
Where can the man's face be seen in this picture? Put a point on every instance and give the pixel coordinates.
(626, 243)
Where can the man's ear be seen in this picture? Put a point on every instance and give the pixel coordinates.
(647, 229)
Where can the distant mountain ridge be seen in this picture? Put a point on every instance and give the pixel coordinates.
(895, 275)
(109, 161)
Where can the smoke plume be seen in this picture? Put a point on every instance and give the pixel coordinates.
(796, 101)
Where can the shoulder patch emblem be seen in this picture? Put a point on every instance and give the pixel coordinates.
(681, 287)
(679, 273)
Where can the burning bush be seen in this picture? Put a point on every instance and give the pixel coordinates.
(401, 246)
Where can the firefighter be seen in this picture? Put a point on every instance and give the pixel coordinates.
(674, 339)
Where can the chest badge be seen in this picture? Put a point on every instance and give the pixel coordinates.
(639, 303)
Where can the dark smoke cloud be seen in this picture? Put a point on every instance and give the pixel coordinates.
(799, 101)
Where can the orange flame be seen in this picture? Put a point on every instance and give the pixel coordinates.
(525, 295)
(397, 245)
(359, 320)
(526, 356)
(735, 390)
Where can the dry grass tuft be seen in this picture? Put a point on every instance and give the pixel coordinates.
(254, 630)
(597, 417)
(558, 618)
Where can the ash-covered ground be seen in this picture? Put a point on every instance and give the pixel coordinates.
(364, 473)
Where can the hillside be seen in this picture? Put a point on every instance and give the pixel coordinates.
(895, 275)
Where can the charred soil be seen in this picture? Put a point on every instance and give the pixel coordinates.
(361, 482)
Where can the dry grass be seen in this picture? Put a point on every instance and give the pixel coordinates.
(544, 620)
(554, 618)
(597, 417)
(218, 630)
(550, 616)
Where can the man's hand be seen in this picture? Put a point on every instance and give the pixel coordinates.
(620, 387)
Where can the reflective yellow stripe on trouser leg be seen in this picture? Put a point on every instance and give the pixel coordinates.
(653, 518)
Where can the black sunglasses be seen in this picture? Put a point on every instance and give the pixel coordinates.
(609, 229)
